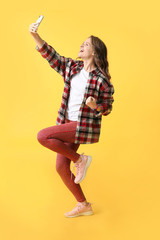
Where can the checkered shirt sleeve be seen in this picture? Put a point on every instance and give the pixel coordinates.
(55, 60)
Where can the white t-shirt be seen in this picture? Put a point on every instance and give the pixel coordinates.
(77, 90)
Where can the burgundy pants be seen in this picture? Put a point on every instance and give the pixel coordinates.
(60, 139)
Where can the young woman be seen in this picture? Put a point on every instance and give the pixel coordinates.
(86, 97)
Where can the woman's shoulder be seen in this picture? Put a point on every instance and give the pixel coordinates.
(76, 63)
(105, 83)
(104, 79)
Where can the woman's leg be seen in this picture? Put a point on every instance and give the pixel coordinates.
(60, 138)
(55, 136)
(63, 168)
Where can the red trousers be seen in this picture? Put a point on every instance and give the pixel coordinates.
(60, 139)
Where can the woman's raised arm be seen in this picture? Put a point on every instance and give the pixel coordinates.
(55, 60)
(33, 31)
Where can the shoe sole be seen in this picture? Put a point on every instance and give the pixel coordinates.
(81, 214)
(85, 170)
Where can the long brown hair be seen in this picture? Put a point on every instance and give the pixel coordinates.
(100, 56)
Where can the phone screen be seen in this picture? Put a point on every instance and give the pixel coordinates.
(39, 19)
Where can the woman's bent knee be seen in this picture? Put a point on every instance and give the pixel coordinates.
(41, 136)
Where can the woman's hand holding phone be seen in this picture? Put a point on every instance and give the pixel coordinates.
(33, 28)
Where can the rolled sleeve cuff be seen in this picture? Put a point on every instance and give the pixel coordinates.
(98, 113)
(43, 48)
(103, 111)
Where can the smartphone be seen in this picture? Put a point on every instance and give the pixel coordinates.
(39, 19)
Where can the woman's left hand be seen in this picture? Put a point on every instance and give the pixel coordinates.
(91, 102)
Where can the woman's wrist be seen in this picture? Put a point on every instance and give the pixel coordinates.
(39, 41)
(98, 108)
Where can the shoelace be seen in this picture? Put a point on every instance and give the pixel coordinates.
(79, 206)
(77, 167)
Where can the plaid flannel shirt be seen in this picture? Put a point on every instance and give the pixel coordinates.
(98, 86)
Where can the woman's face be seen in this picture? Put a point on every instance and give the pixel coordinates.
(86, 49)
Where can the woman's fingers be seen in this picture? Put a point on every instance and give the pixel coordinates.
(91, 98)
(33, 27)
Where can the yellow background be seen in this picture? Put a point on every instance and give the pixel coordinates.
(123, 180)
